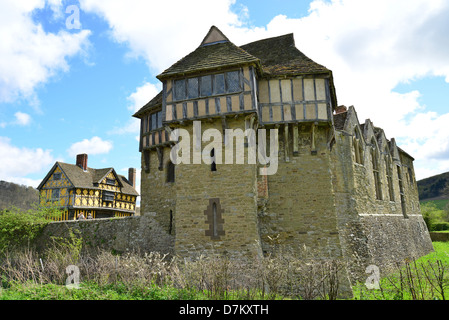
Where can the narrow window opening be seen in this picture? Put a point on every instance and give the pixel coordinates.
(374, 160)
(213, 165)
(358, 147)
(214, 220)
(170, 225)
(401, 192)
(389, 177)
(170, 172)
(410, 176)
(146, 155)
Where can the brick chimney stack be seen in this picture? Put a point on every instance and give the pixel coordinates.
(81, 161)
(340, 109)
(132, 176)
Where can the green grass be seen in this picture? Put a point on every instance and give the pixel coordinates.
(411, 282)
(92, 291)
(392, 287)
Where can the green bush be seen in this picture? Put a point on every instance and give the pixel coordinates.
(18, 227)
(440, 226)
(432, 215)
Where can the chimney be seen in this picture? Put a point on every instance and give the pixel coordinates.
(340, 109)
(81, 161)
(132, 176)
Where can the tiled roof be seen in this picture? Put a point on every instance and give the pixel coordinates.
(209, 57)
(273, 57)
(86, 179)
(279, 56)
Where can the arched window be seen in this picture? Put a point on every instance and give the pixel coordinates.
(376, 174)
(389, 171)
(401, 192)
(358, 146)
(214, 219)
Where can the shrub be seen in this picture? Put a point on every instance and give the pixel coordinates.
(440, 226)
(18, 227)
(432, 215)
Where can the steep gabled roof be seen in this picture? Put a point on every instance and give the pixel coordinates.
(210, 55)
(279, 56)
(273, 57)
(87, 179)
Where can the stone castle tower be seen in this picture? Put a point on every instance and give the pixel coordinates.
(338, 186)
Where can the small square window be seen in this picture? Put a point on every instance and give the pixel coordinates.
(55, 194)
(57, 176)
(110, 181)
(108, 196)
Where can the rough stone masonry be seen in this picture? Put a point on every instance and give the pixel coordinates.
(342, 188)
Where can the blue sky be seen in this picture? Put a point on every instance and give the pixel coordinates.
(67, 90)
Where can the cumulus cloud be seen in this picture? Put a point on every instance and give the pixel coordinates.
(16, 163)
(95, 145)
(22, 118)
(370, 45)
(142, 95)
(29, 56)
(137, 100)
(161, 31)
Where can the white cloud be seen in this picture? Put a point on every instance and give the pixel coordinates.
(162, 31)
(142, 95)
(137, 100)
(29, 56)
(370, 45)
(16, 163)
(22, 119)
(93, 146)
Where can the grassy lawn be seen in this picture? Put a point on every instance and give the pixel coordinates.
(92, 291)
(426, 278)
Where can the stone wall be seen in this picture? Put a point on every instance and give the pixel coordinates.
(300, 210)
(376, 231)
(159, 195)
(384, 240)
(439, 236)
(232, 187)
(137, 233)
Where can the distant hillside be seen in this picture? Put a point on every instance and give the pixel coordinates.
(20, 196)
(433, 187)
